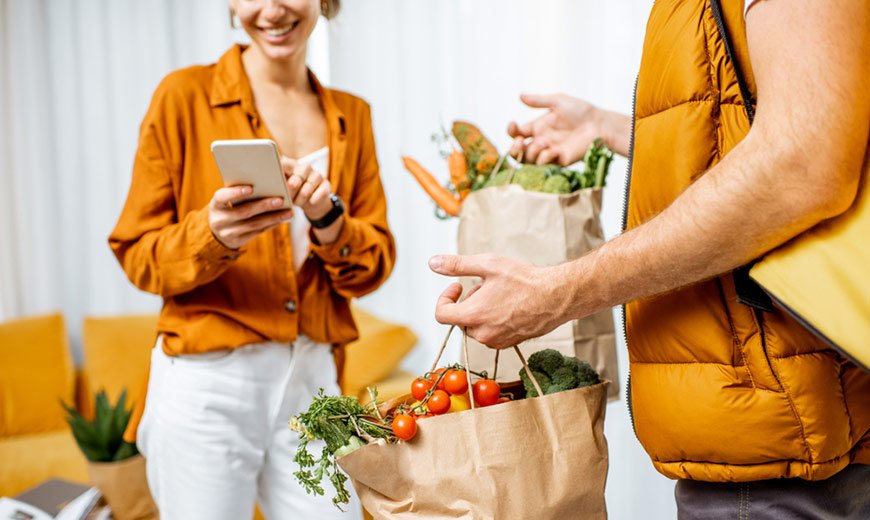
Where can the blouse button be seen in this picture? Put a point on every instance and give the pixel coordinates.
(345, 251)
(290, 306)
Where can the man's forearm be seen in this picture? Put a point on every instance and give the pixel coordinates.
(616, 131)
(739, 210)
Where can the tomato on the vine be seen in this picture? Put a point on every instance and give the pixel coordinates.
(436, 374)
(404, 426)
(486, 392)
(419, 388)
(456, 382)
(439, 402)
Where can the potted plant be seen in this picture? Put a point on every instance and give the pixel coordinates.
(114, 465)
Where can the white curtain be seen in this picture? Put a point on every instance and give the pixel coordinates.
(422, 64)
(76, 77)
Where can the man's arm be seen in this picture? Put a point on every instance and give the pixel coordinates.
(799, 164)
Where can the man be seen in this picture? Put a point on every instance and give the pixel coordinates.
(754, 415)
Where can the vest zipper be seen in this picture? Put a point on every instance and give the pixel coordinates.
(624, 225)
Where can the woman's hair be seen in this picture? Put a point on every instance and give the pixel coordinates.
(330, 8)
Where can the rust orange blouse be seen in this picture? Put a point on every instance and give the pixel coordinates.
(214, 297)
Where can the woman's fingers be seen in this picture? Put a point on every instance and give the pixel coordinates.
(246, 210)
(307, 189)
(226, 197)
(320, 195)
(259, 223)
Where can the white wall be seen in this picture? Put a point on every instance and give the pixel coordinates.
(421, 65)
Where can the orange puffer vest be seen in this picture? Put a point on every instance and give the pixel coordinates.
(719, 391)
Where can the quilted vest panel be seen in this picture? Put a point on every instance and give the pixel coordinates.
(719, 391)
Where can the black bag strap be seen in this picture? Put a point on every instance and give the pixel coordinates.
(748, 101)
(748, 291)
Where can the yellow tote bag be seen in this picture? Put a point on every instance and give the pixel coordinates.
(822, 276)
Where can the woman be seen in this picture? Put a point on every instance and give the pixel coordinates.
(253, 306)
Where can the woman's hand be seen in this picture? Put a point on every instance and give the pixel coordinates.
(563, 134)
(309, 189)
(235, 223)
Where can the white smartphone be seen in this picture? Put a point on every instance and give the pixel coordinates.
(254, 162)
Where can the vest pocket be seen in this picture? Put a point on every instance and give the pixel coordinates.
(750, 344)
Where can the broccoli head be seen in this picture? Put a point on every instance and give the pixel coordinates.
(565, 377)
(556, 373)
(546, 361)
(531, 177)
(557, 184)
(541, 378)
(499, 179)
(586, 375)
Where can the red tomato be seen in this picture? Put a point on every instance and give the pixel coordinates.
(405, 426)
(456, 382)
(419, 388)
(435, 376)
(439, 402)
(486, 392)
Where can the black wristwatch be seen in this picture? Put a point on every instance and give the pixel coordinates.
(331, 215)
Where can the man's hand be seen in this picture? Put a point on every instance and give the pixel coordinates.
(810, 60)
(563, 134)
(235, 223)
(515, 301)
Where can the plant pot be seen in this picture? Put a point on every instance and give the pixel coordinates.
(125, 488)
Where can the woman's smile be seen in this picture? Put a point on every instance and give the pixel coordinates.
(277, 34)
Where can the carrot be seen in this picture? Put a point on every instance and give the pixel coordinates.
(458, 173)
(441, 195)
(475, 145)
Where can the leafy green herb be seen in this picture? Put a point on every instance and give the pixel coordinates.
(341, 422)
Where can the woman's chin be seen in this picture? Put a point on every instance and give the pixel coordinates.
(279, 52)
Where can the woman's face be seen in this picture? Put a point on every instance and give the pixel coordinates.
(280, 28)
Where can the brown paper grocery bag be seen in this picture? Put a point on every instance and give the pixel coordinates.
(125, 488)
(544, 229)
(538, 458)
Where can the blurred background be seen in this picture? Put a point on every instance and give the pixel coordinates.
(76, 77)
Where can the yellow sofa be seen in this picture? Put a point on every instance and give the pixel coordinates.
(37, 372)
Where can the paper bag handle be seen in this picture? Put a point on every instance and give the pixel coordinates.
(468, 369)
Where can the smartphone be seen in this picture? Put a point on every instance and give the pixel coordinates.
(254, 162)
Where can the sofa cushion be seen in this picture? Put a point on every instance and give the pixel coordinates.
(30, 459)
(376, 354)
(117, 351)
(36, 374)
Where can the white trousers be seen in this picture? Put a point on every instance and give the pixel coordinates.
(215, 434)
